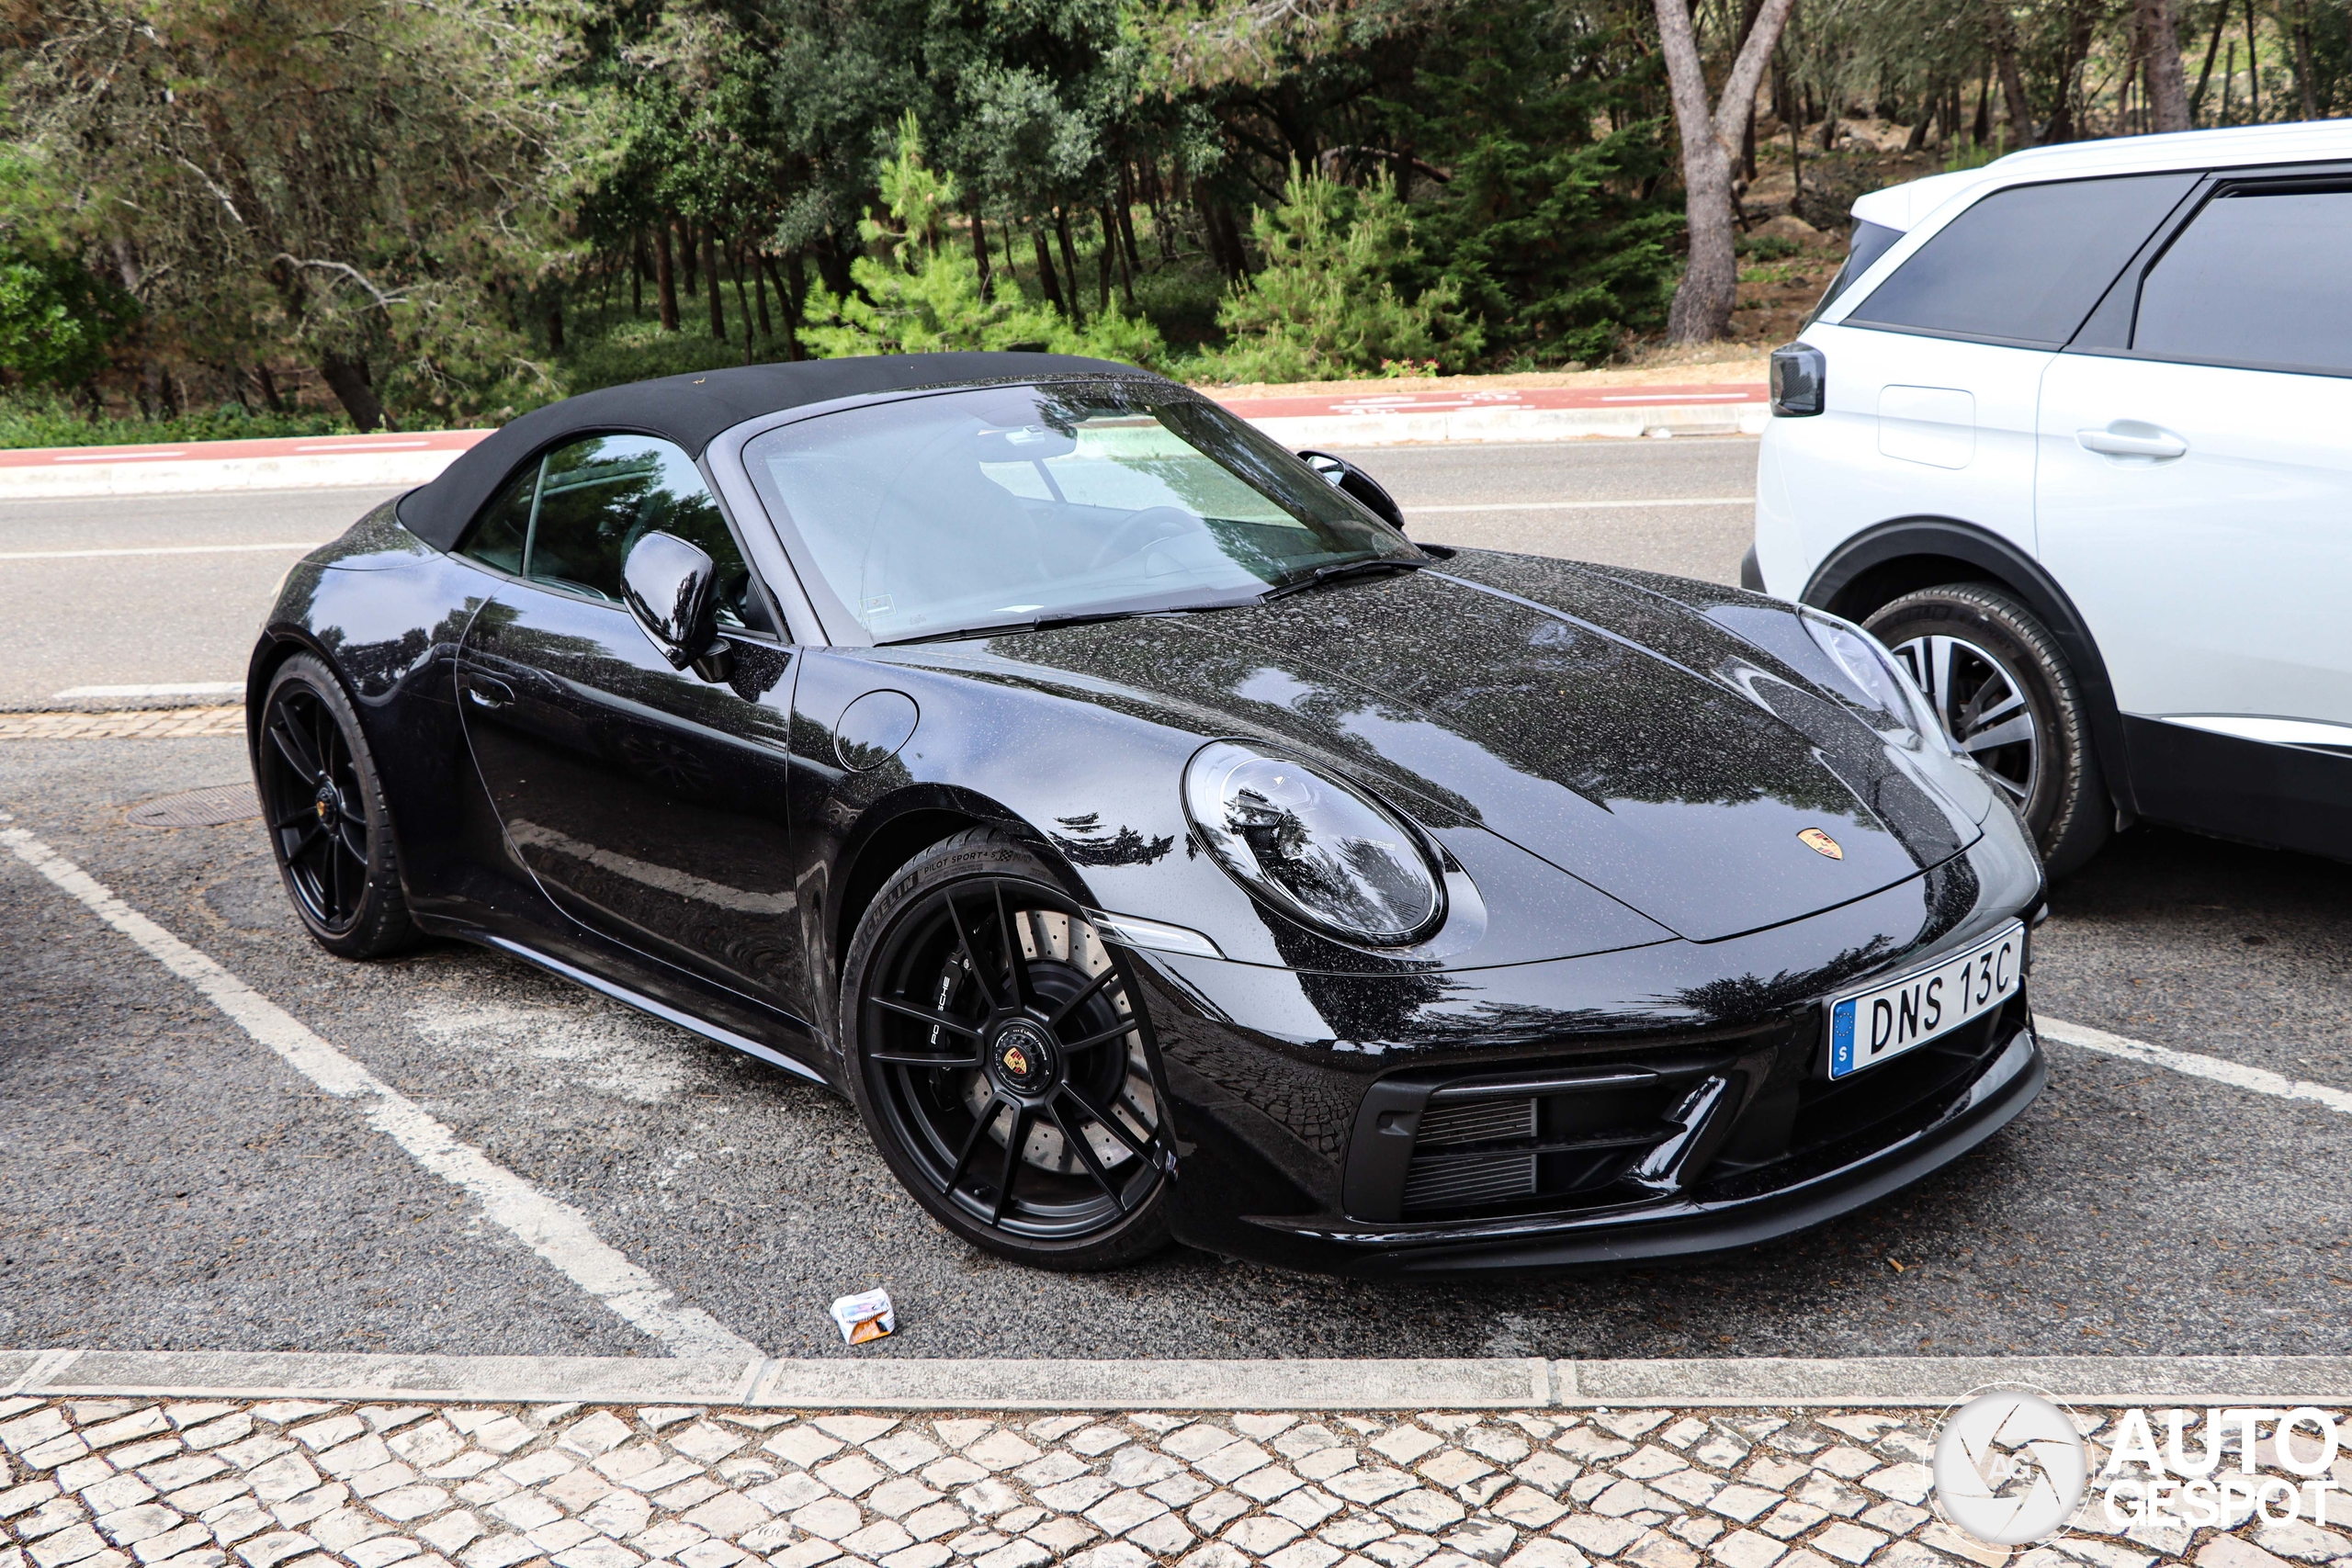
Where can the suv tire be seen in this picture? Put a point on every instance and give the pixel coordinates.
(1976, 651)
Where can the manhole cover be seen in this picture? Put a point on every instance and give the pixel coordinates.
(198, 808)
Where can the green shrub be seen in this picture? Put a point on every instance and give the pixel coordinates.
(1550, 248)
(1325, 305)
(1765, 247)
(57, 319)
(38, 421)
(918, 294)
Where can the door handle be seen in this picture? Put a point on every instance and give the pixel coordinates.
(484, 691)
(2130, 438)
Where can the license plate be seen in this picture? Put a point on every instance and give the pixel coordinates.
(1871, 1026)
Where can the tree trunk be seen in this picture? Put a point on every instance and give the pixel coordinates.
(1982, 132)
(2298, 32)
(1710, 288)
(710, 276)
(1223, 233)
(1130, 259)
(788, 302)
(1110, 244)
(2205, 75)
(743, 303)
(665, 276)
(760, 292)
(348, 379)
(1046, 281)
(2004, 41)
(1069, 263)
(2160, 48)
(981, 248)
(555, 329)
(2253, 70)
(1747, 132)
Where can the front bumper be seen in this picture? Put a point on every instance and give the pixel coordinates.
(1712, 1216)
(1666, 1100)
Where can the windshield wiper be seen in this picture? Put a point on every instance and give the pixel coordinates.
(1007, 629)
(1341, 571)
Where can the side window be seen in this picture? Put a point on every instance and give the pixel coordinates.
(581, 508)
(504, 532)
(2026, 265)
(2255, 278)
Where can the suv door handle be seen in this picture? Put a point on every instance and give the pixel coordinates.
(2130, 438)
(485, 691)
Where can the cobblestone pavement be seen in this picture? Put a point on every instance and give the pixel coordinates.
(113, 1483)
(148, 724)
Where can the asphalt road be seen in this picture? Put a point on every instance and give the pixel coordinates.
(179, 603)
(77, 619)
(166, 1182)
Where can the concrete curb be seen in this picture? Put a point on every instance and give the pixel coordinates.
(1406, 429)
(906, 1383)
(196, 476)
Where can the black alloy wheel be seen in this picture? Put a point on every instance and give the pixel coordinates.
(2006, 697)
(999, 1056)
(328, 825)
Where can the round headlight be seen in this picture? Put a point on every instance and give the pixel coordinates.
(1878, 680)
(1311, 846)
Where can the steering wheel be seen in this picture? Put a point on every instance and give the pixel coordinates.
(1142, 530)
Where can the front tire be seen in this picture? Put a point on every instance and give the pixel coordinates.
(2006, 697)
(330, 828)
(1000, 1057)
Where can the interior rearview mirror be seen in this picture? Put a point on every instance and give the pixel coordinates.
(1344, 475)
(670, 589)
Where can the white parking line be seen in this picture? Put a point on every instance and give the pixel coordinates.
(556, 1231)
(2237, 1074)
(166, 689)
(1587, 505)
(157, 550)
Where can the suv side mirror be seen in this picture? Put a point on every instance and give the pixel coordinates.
(670, 589)
(1342, 475)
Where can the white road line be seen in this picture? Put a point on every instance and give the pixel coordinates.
(2237, 1074)
(554, 1230)
(158, 550)
(1587, 505)
(169, 689)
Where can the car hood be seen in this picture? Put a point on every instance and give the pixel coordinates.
(1591, 719)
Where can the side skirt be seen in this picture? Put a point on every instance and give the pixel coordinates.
(645, 1004)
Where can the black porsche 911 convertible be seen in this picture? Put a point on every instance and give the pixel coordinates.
(1148, 836)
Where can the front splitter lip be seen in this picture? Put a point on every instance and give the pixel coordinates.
(1696, 1228)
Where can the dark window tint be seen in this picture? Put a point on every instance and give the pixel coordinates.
(503, 531)
(1870, 243)
(2256, 278)
(580, 510)
(2025, 265)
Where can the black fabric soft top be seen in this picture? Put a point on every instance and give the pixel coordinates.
(691, 409)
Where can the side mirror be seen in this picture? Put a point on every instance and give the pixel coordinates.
(1342, 475)
(670, 589)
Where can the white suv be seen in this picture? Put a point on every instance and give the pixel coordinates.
(2072, 434)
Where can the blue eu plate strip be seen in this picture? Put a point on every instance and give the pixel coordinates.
(1841, 1040)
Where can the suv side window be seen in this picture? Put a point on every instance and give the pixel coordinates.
(2025, 265)
(2257, 280)
(570, 519)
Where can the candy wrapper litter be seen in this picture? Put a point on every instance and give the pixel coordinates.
(867, 1315)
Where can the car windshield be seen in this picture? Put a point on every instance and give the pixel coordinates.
(997, 506)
